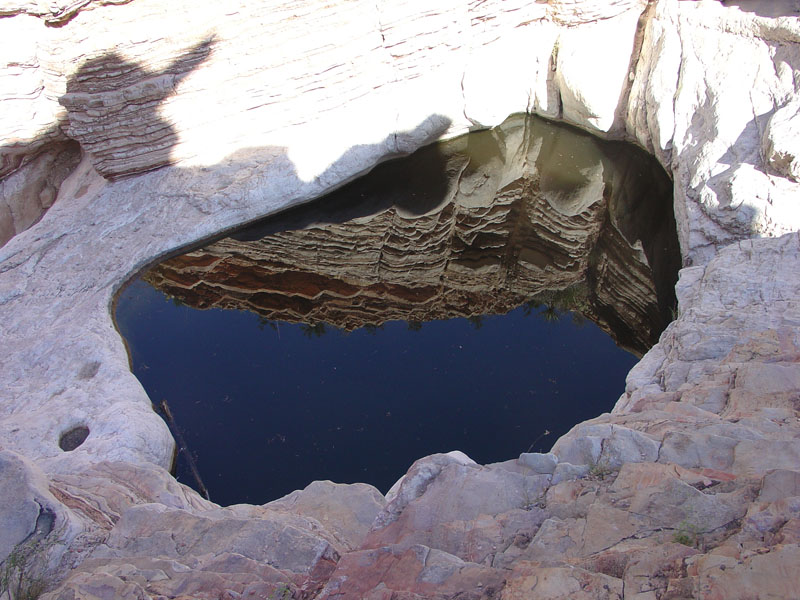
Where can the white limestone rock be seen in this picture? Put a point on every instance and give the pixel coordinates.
(706, 83)
(592, 70)
(781, 145)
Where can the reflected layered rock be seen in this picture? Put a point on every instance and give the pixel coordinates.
(526, 213)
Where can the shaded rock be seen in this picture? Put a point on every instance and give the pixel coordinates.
(759, 456)
(539, 463)
(281, 540)
(557, 539)
(652, 570)
(768, 575)
(30, 190)
(781, 148)
(695, 450)
(530, 580)
(22, 495)
(604, 444)
(416, 481)
(491, 507)
(565, 471)
(667, 501)
(779, 484)
(32, 520)
(414, 573)
(229, 576)
(347, 511)
(98, 587)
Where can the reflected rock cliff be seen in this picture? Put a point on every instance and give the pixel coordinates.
(528, 213)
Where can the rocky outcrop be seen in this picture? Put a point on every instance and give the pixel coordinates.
(305, 98)
(465, 228)
(33, 186)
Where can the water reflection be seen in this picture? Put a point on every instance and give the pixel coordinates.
(367, 331)
(528, 213)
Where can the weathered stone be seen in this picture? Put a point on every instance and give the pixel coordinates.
(697, 450)
(650, 570)
(779, 484)
(229, 576)
(281, 540)
(18, 498)
(480, 520)
(605, 445)
(565, 471)
(416, 481)
(781, 148)
(32, 188)
(769, 575)
(347, 511)
(414, 573)
(530, 580)
(539, 463)
(669, 502)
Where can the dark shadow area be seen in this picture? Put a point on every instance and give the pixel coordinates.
(766, 8)
(112, 110)
(73, 438)
(31, 185)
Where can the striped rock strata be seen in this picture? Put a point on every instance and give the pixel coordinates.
(460, 229)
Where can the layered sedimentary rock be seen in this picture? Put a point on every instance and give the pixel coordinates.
(294, 100)
(33, 185)
(479, 225)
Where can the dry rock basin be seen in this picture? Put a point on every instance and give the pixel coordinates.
(131, 129)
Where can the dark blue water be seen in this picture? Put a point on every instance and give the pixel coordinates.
(266, 395)
(267, 408)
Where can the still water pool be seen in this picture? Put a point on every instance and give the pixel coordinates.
(476, 296)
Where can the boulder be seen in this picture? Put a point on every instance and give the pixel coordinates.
(347, 511)
(781, 148)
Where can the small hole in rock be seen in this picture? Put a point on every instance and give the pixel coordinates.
(89, 370)
(73, 438)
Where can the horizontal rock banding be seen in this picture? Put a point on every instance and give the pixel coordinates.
(480, 249)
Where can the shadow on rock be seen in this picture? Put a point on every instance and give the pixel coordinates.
(112, 110)
(766, 8)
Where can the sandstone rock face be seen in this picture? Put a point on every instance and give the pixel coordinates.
(690, 486)
(32, 188)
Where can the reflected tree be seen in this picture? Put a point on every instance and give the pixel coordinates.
(313, 330)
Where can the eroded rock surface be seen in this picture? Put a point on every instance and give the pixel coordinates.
(688, 489)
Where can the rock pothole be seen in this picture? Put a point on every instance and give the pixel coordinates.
(72, 438)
